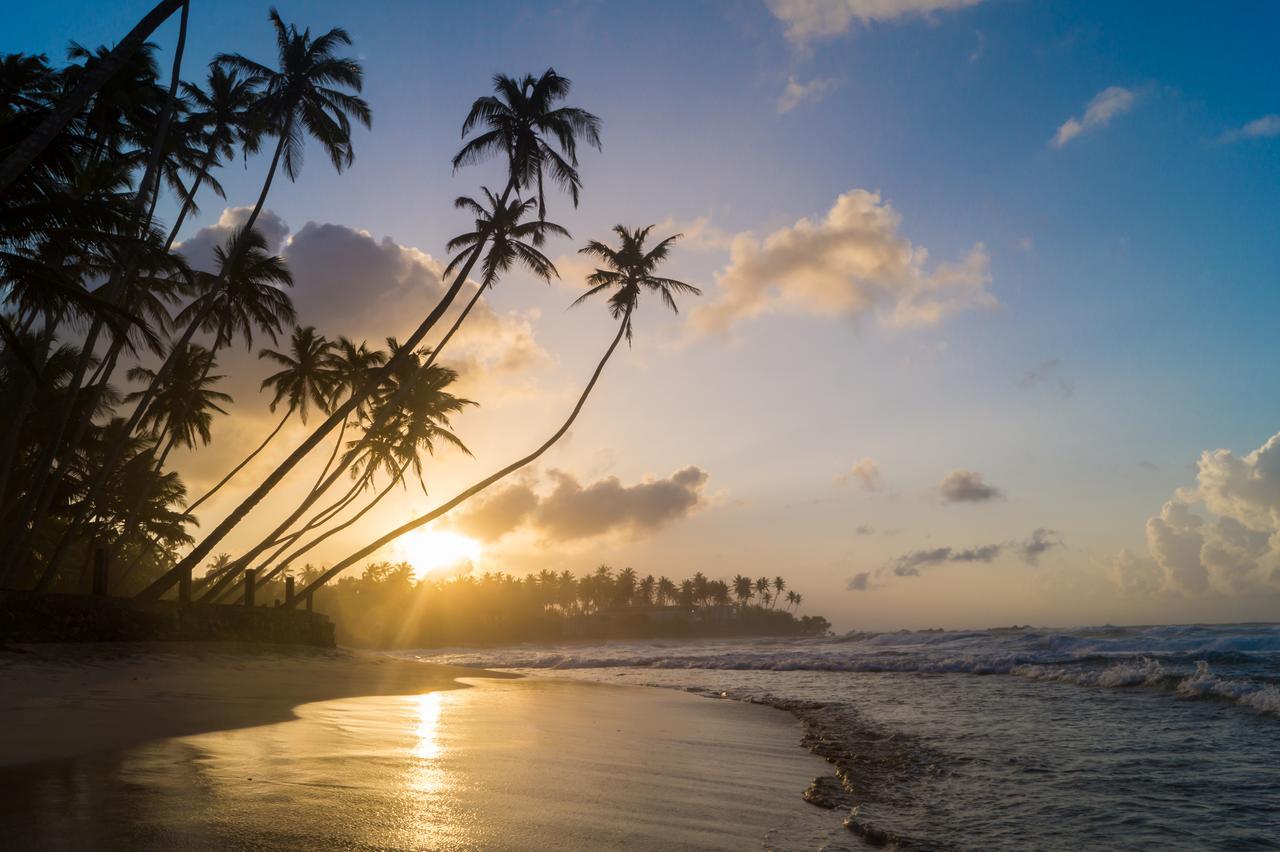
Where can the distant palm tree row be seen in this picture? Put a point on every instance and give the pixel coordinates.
(385, 606)
(93, 293)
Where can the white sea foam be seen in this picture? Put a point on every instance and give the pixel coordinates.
(1101, 657)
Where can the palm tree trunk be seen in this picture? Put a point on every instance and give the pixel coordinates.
(33, 146)
(322, 487)
(474, 489)
(237, 468)
(48, 478)
(117, 449)
(284, 542)
(288, 560)
(232, 520)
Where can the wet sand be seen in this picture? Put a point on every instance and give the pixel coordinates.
(502, 764)
(65, 700)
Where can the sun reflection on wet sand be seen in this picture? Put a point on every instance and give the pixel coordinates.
(428, 730)
(504, 765)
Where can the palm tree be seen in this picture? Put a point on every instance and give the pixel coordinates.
(510, 241)
(666, 591)
(631, 271)
(305, 380)
(182, 412)
(58, 117)
(246, 293)
(421, 422)
(521, 136)
(742, 589)
(646, 589)
(220, 116)
(624, 587)
(793, 599)
(779, 586)
(518, 119)
(304, 97)
(762, 590)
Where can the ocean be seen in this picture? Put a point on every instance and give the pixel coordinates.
(1163, 737)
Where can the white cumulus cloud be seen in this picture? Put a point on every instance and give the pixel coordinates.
(852, 261)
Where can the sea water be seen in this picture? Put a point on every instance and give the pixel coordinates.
(1163, 737)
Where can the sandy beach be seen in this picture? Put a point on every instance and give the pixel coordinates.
(225, 747)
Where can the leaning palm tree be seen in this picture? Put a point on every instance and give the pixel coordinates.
(779, 586)
(305, 380)
(522, 141)
(70, 106)
(422, 421)
(510, 241)
(629, 271)
(247, 293)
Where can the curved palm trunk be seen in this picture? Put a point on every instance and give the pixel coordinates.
(318, 540)
(320, 488)
(474, 489)
(284, 542)
(239, 467)
(338, 416)
(35, 143)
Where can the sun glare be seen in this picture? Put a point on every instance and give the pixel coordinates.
(432, 551)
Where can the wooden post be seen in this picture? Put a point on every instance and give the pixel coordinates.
(288, 591)
(250, 579)
(100, 575)
(310, 601)
(184, 586)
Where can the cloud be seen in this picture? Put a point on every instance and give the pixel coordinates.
(1106, 105)
(1042, 540)
(851, 262)
(797, 93)
(573, 511)
(810, 19)
(1265, 127)
(1048, 373)
(866, 473)
(859, 582)
(967, 486)
(863, 529)
(347, 282)
(1136, 575)
(1233, 548)
(909, 565)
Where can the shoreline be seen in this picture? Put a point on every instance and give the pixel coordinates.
(62, 700)
(274, 745)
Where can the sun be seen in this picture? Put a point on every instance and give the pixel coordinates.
(430, 551)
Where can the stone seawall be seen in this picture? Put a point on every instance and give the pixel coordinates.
(28, 617)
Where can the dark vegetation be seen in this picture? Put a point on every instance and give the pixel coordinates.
(109, 340)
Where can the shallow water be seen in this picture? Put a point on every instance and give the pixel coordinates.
(1117, 738)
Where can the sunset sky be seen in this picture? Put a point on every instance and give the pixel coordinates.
(988, 333)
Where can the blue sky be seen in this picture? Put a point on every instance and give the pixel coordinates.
(1133, 268)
